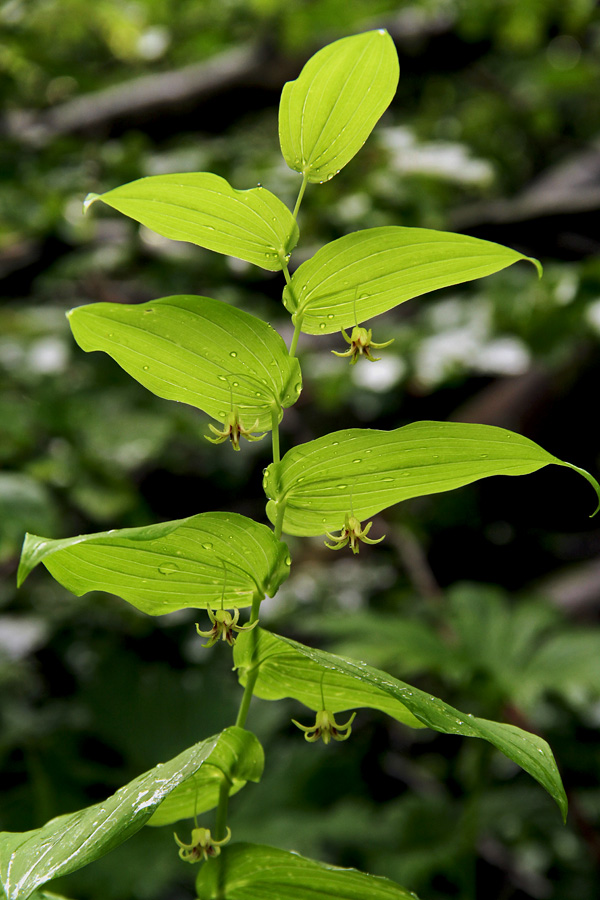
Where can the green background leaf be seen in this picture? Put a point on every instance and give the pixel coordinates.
(240, 759)
(328, 112)
(380, 268)
(204, 209)
(289, 669)
(170, 566)
(198, 351)
(256, 872)
(370, 470)
(30, 859)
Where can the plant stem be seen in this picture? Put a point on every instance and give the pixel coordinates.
(294, 343)
(275, 434)
(279, 521)
(253, 674)
(300, 195)
(247, 697)
(221, 822)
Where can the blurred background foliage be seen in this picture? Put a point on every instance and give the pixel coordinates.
(488, 597)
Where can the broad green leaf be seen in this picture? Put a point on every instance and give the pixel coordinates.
(240, 759)
(170, 566)
(365, 471)
(205, 210)
(198, 351)
(257, 872)
(326, 115)
(284, 672)
(30, 859)
(289, 669)
(368, 272)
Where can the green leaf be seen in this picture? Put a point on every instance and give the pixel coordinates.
(170, 566)
(197, 351)
(30, 859)
(205, 210)
(365, 471)
(240, 759)
(283, 672)
(368, 272)
(257, 872)
(289, 669)
(326, 115)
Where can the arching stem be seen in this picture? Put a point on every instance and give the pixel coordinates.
(275, 434)
(300, 195)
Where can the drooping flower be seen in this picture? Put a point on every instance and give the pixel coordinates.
(361, 342)
(202, 846)
(223, 626)
(353, 533)
(234, 429)
(326, 727)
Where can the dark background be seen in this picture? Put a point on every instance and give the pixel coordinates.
(488, 596)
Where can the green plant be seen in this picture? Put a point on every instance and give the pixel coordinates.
(237, 369)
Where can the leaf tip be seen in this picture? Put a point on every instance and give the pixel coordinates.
(24, 568)
(536, 263)
(91, 198)
(591, 480)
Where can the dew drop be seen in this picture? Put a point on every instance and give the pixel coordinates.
(207, 546)
(298, 387)
(145, 368)
(387, 479)
(110, 334)
(483, 455)
(236, 384)
(233, 353)
(222, 378)
(357, 460)
(168, 569)
(341, 487)
(222, 414)
(288, 560)
(334, 443)
(330, 316)
(146, 311)
(322, 325)
(256, 393)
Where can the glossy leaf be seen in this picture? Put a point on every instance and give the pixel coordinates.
(241, 759)
(198, 351)
(329, 111)
(366, 273)
(283, 672)
(30, 859)
(367, 470)
(205, 210)
(170, 566)
(289, 669)
(257, 872)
